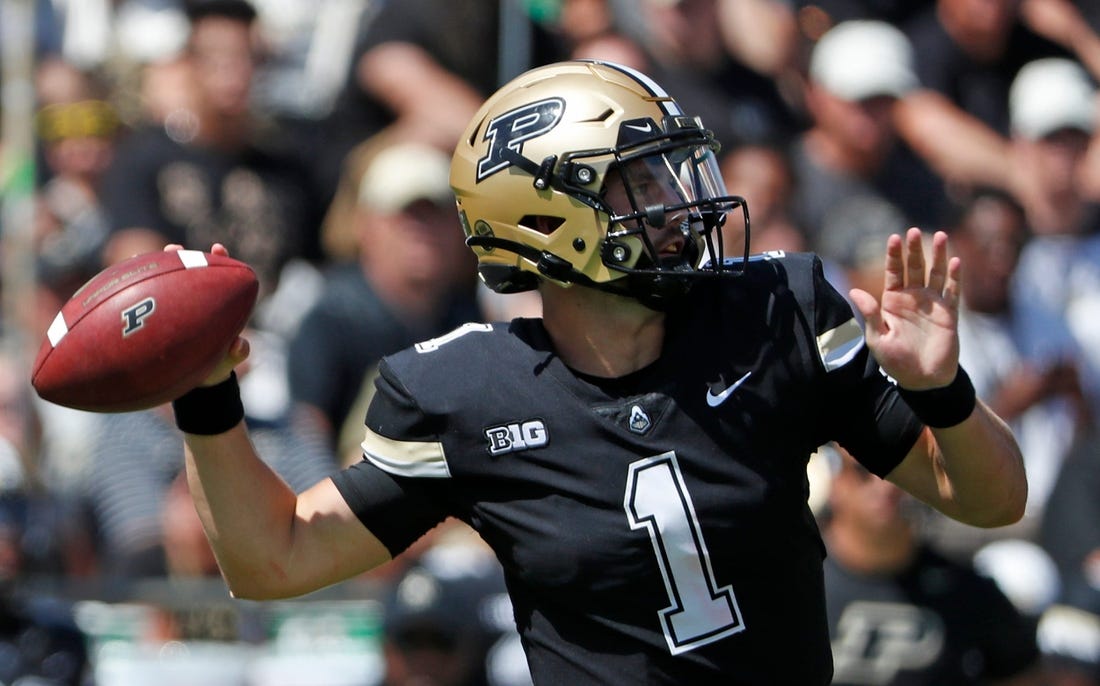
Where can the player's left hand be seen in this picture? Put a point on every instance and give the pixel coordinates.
(913, 332)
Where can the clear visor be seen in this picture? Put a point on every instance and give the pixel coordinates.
(637, 187)
(662, 188)
(674, 200)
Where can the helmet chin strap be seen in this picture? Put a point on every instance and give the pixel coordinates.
(653, 289)
(657, 291)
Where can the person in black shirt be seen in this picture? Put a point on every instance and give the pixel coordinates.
(967, 54)
(899, 612)
(214, 170)
(636, 458)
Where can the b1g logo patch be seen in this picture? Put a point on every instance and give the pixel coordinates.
(510, 438)
(509, 131)
(133, 317)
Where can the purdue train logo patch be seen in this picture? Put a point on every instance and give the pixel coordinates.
(510, 438)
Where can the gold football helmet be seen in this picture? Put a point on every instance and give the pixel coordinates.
(587, 172)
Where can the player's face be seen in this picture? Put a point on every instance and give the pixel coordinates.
(646, 183)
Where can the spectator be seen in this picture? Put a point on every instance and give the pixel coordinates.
(412, 279)
(989, 234)
(857, 72)
(40, 538)
(187, 553)
(447, 621)
(899, 613)
(428, 64)
(1069, 631)
(722, 60)
(41, 535)
(762, 35)
(762, 174)
(1043, 405)
(309, 49)
(1076, 548)
(580, 20)
(1053, 110)
(81, 33)
(853, 236)
(1070, 640)
(1065, 23)
(837, 11)
(1057, 284)
(129, 487)
(77, 129)
(215, 174)
(40, 643)
(612, 46)
(968, 52)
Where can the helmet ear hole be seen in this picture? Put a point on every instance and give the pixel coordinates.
(508, 279)
(541, 223)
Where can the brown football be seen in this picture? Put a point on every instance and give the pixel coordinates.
(144, 331)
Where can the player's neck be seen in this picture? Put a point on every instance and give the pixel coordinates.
(599, 333)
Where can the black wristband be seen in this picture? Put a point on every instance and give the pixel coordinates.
(943, 407)
(210, 410)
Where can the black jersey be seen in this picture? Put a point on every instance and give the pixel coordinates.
(653, 529)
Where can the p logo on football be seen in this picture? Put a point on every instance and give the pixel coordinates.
(133, 317)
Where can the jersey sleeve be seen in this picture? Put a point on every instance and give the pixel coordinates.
(861, 409)
(397, 511)
(399, 488)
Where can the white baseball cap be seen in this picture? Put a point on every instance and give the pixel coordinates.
(1051, 94)
(861, 59)
(403, 173)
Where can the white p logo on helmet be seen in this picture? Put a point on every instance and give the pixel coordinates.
(511, 129)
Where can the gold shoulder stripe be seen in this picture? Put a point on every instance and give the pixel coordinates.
(406, 458)
(838, 346)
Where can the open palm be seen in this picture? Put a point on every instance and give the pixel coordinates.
(913, 331)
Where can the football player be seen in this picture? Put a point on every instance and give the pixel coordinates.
(636, 457)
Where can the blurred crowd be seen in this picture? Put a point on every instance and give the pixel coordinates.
(313, 139)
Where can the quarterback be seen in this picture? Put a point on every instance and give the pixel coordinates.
(636, 457)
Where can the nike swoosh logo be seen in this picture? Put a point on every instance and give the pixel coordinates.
(644, 128)
(716, 400)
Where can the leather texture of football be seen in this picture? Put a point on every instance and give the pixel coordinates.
(144, 331)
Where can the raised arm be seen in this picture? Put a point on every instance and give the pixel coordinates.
(269, 541)
(967, 463)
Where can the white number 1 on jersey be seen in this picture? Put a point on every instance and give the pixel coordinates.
(699, 612)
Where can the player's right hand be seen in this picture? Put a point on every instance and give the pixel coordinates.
(238, 350)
